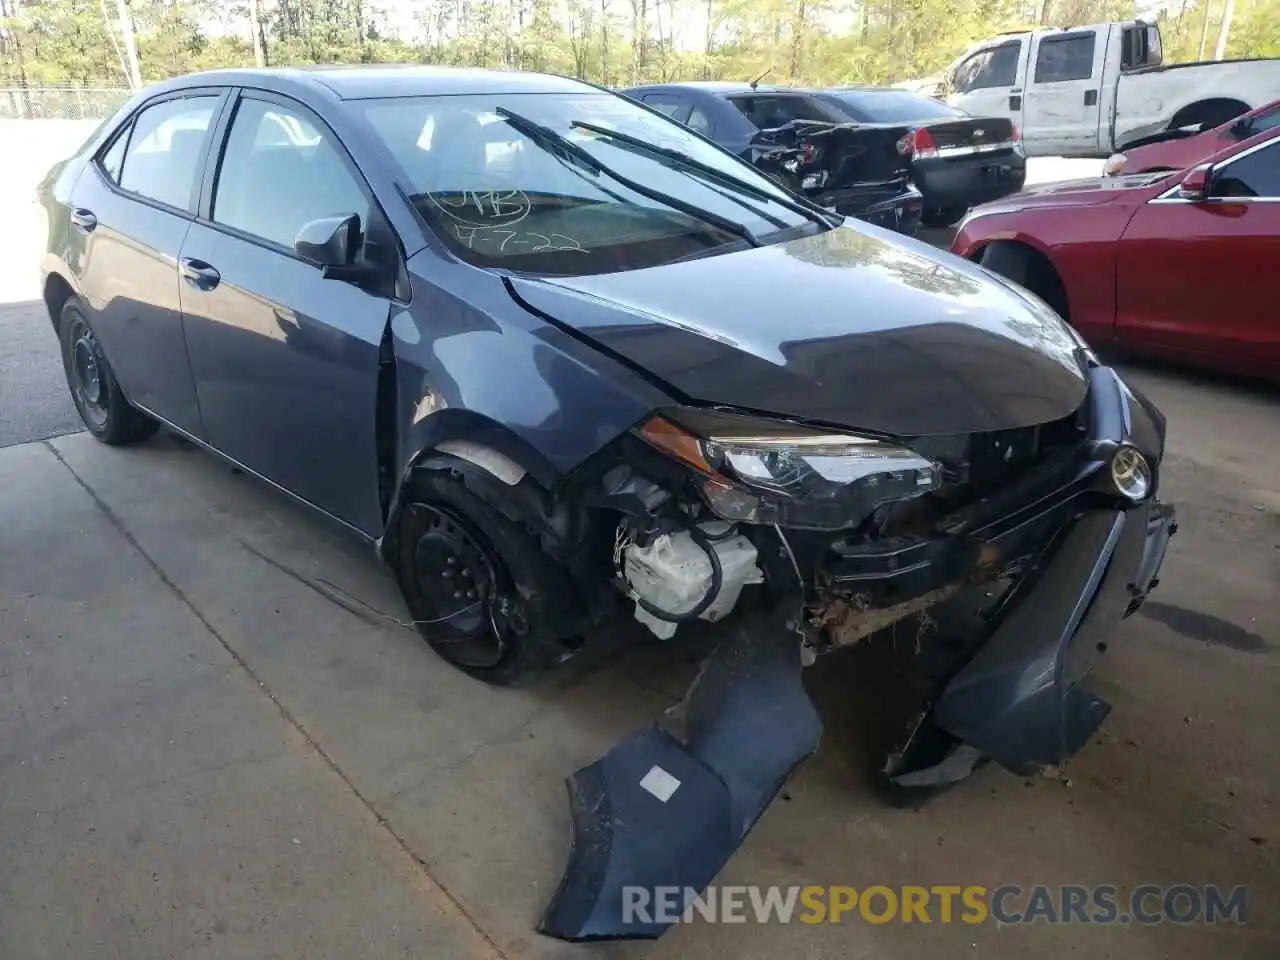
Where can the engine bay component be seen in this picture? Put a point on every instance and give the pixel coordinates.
(688, 574)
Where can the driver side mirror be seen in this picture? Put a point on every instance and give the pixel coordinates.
(1195, 184)
(334, 245)
(329, 241)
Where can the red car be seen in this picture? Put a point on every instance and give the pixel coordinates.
(1180, 266)
(1179, 152)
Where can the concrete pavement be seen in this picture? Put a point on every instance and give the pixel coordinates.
(34, 400)
(215, 740)
(157, 802)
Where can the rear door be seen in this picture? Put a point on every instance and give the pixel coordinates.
(133, 206)
(1200, 278)
(1062, 110)
(988, 82)
(286, 361)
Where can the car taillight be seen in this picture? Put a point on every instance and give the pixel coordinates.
(924, 145)
(918, 145)
(1016, 135)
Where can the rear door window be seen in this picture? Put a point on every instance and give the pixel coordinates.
(700, 122)
(1065, 58)
(674, 107)
(163, 157)
(113, 159)
(767, 111)
(993, 67)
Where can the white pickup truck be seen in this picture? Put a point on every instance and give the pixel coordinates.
(1090, 91)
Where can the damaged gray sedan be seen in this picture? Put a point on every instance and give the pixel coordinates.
(563, 360)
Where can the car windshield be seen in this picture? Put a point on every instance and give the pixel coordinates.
(891, 106)
(509, 181)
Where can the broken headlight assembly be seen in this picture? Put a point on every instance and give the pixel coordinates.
(752, 470)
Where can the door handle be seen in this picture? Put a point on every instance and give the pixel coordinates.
(1091, 98)
(83, 220)
(199, 274)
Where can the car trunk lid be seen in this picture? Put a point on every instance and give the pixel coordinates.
(967, 136)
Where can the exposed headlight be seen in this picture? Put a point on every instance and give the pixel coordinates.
(1114, 164)
(760, 471)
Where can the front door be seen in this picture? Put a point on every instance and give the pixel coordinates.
(1064, 90)
(133, 207)
(285, 361)
(1200, 278)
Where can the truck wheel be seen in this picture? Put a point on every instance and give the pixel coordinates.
(477, 582)
(98, 398)
(947, 216)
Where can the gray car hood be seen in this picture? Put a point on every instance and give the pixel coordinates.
(852, 327)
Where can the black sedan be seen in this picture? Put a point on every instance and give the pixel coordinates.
(561, 359)
(802, 141)
(957, 161)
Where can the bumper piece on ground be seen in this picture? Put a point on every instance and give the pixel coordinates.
(655, 812)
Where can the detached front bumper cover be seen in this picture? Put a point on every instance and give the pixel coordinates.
(656, 812)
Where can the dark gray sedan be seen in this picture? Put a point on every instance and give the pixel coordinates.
(559, 358)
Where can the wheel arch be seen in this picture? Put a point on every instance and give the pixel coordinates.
(57, 291)
(1043, 277)
(1217, 109)
(517, 479)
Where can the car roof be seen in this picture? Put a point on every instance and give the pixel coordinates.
(717, 86)
(363, 82)
(836, 91)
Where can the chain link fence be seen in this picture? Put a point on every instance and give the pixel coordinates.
(60, 103)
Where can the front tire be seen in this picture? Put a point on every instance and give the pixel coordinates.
(98, 398)
(477, 583)
(1027, 268)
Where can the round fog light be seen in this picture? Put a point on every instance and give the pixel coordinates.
(1130, 473)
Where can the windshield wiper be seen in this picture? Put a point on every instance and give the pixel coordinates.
(554, 141)
(683, 159)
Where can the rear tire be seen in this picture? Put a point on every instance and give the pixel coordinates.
(949, 216)
(98, 398)
(476, 582)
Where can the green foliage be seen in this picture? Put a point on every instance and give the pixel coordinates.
(805, 42)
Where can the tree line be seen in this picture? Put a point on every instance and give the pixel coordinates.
(614, 42)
